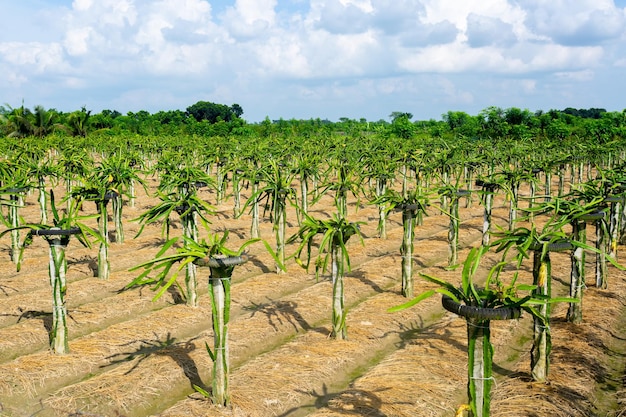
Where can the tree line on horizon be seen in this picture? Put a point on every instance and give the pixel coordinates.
(209, 119)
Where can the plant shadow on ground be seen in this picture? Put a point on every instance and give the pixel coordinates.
(598, 371)
(259, 264)
(223, 214)
(177, 297)
(153, 243)
(431, 239)
(89, 261)
(377, 252)
(239, 232)
(468, 226)
(362, 276)
(177, 351)
(417, 261)
(4, 288)
(173, 291)
(418, 333)
(571, 356)
(44, 316)
(6, 251)
(349, 402)
(609, 294)
(390, 221)
(280, 312)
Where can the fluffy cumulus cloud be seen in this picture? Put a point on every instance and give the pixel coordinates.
(485, 31)
(250, 18)
(350, 54)
(583, 22)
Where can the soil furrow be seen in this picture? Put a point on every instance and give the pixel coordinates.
(324, 303)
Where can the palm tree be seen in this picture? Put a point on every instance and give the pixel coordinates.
(17, 122)
(78, 122)
(44, 122)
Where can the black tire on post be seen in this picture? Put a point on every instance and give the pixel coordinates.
(217, 262)
(590, 217)
(557, 246)
(481, 313)
(56, 232)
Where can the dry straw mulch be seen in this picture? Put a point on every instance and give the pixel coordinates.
(410, 363)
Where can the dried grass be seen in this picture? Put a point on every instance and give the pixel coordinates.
(580, 361)
(423, 370)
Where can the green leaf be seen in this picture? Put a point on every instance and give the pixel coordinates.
(526, 287)
(563, 300)
(275, 256)
(446, 285)
(201, 391)
(209, 351)
(412, 302)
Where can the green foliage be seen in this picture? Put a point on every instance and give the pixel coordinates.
(213, 112)
(63, 220)
(78, 122)
(276, 191)
(494, 293)
(416, 200)
(173, 258)
(335, 233)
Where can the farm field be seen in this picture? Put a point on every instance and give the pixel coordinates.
(131, 356)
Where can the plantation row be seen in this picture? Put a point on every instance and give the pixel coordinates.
(305, 201)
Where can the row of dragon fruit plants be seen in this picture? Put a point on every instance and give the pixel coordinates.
(418, 177)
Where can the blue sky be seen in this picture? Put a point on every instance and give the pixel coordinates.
(314, 58)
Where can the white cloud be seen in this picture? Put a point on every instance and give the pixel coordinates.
(187, 10)
(584, 75)
(82, 4)
(347, 52)
(486, 31)
(452, 94)
(620, 63)
(35, 56)
(364, 5)
(283, 56)
(583, 22)
(558, 57)
(457, 12)
(250, 18)
(529, 86)
(103, 12)
(77, 40)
